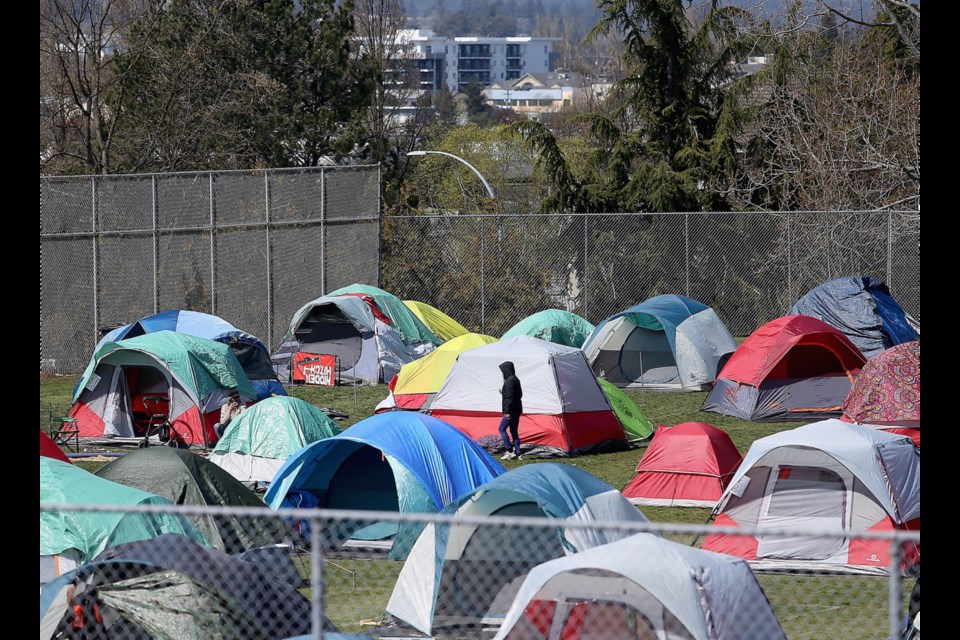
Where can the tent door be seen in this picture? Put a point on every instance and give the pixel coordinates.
(805, 497)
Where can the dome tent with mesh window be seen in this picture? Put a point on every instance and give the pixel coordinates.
(436, 587)
(642, 587)
(189, 378)
(666, 343)
(829, 475)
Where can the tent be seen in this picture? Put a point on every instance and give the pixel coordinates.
(49, 449)
(792, 368)
(553, 325)
(258, 442)
(368, 349)
(250, 351)
(862, 308)
(69, 538)
(642, 587)
(886, 394)
(669, 343)
(564, 410)
(185, 478)
(437, 586)
(687, 465)
(439, 323)
(408, 326)
(184, 377)
(396, 461)
(828, 475)
(634, 423)
(418, 381)
(171, 587)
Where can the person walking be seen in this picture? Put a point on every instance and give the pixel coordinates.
(512, 394)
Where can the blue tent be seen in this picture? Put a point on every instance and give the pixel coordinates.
(250, 351)
(433, 589)
(862, 308)
(394, 461)
(668, 342)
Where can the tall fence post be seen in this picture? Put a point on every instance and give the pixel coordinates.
(686, 251)
(96, 259)
(890, 249)
(316, 579)
(323, 232)
(213, 261)
(483, 278)
(895, 595)
(41, 274)
(790, 298)
(379, 224)
(156, 243)
(586, 267)
(266, 219)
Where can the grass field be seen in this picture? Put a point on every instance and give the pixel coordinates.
(812, 607)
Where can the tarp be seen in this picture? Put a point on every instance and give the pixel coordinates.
(49, 449)
(710, 595)
(89, 532)
(186, 478)
(887, 391)
(553, 325)
(408, 325)
(634, 423)
(424, 594)
(862, 308)
(250, 350)
(442, 325)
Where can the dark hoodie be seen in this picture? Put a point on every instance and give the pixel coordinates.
(511, 391)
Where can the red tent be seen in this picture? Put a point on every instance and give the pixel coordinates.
(792, 368)
(886, 394)
(49, 449)
(688, 465)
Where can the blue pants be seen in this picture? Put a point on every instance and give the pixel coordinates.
(514, 423)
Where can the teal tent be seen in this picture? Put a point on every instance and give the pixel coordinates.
(402, 319)
(553, 325)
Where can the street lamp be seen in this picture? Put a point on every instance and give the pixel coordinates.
(486, 184)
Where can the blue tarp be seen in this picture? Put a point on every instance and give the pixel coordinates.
(862, 308)
(660, 313)
(204, 325)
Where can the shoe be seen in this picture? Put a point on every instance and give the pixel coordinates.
(520, 457)
(509, 455)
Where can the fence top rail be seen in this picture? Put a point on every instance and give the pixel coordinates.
(502, 521)
(453, 214)
(258, 172)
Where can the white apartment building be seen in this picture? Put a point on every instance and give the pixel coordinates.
(460, 61)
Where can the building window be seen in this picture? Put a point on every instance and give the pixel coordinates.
(428, 49)
(544, 48)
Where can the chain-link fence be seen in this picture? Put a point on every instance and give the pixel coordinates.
(511, 574)
(488, 271)
(249, 246)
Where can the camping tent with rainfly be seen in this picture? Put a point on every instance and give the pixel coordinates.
(636, 425)
(437, 585)
(564, 410)
(250, 351)
(68, 539)
(642, 587)
(395, 461)
(862, 308)
(553, 325)
(49, 449)
(792, 368)
(687, 465)
(408, 326)
(828, 475)
(886, 394)
(439, 323)
(258, 441)
(368, 348)
(419, 381)
(185, 478)
(183, 377)
(666, 343)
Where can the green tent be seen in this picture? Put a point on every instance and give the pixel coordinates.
(634, 423)
(185, 478)
(553, 325)
(257, 443)
(84, 534)
(404, 322)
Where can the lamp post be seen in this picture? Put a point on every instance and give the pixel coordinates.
(486, 185)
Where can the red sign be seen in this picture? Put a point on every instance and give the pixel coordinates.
(315, 368)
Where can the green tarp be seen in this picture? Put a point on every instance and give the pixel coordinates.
(89, 533)
(553, 325)
(202, 366)
(275, 428)
(185, 478)
(634, 423)
(404, 322)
